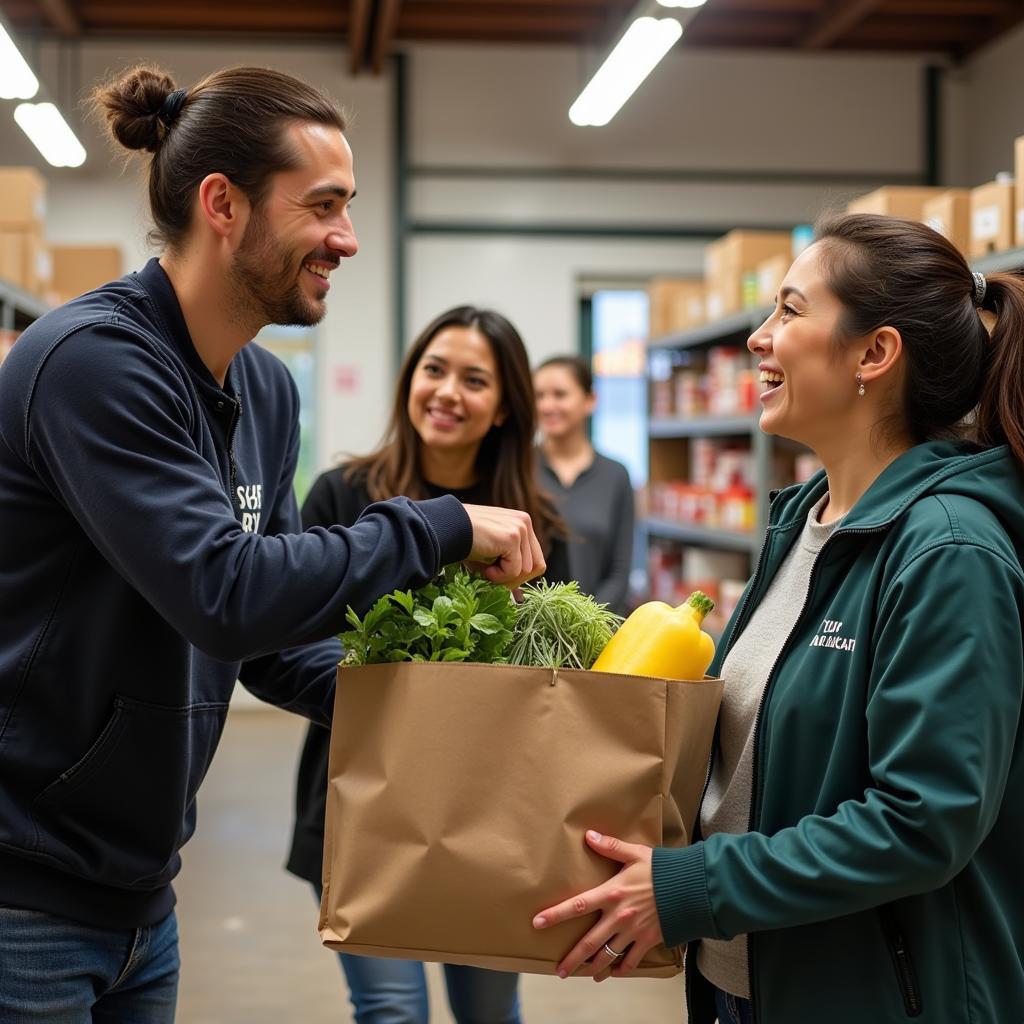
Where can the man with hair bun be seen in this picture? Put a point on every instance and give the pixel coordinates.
(151, 551)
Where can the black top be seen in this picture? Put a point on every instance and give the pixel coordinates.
(150, 556)
(598, 507)
(334, 500)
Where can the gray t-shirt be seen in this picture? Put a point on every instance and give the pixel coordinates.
(726, 806)
(598, 508)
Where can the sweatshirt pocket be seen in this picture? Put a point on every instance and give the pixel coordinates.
(906, 975)
(119, 815)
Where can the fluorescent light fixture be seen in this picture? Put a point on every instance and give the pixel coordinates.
(50, 134)
(682, 3)
(644, 43)
(16, 79)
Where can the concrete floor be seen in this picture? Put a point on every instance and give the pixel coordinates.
(249, 946)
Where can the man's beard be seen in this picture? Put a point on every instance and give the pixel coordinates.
(264, 280)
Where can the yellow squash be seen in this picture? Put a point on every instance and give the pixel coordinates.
(662, 641)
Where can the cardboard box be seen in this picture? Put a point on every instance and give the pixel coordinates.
(950, 215)
(676, 304)
(80, 268)
(22, 199)
(728, 259)
(25, 261)
(905, 201)
(770, 273)
(992, 217)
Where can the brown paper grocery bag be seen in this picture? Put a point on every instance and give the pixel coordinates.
(458, 797)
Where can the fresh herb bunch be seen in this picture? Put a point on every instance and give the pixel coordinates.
(558, 627)
(456, 617)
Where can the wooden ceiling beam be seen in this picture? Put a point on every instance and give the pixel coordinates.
(956, 27)
(19, 12)
(772, 8)
(61, 15)
(415, 23)
(528, 18)
(925, 37)
(525, 7)
(1000, 24)
(384, 32)
(835, 20)
(720, 28)
(172, 18)
(358, 31)
(946, 8)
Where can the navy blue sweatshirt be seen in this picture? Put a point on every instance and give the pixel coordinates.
(150, 555)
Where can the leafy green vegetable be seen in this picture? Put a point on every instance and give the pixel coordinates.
(461, 617)
(558, 627)
(456, 617)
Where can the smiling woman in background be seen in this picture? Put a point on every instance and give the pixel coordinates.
(463, 424)
(593, 492)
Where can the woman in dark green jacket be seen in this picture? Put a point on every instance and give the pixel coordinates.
(860, 837)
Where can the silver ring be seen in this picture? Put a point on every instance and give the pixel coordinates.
(611, 952)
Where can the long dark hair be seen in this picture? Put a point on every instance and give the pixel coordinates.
(899, 273)
(233, 121)
(506, 456)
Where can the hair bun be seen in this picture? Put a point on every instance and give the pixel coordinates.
(132, 102)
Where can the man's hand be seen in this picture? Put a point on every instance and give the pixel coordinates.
(505, 548)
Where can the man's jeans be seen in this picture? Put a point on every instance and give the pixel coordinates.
(56, 971)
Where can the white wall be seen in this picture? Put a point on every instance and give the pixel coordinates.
(994, 107)
(535, 282)
(760, 111)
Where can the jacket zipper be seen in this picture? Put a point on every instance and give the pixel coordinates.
(236, 415)
(906, 976)
(691, 959)
(755, 783)
(728, 644)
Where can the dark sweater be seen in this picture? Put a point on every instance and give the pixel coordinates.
(598, 507)
(333, 499)
(150, 556)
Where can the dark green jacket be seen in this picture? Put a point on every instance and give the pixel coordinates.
(881, 876)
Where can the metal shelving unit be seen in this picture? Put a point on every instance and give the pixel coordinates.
(704, 536)
(999, 262)
(17, 308)
(729, 328)
(731, 331)
(703, 426)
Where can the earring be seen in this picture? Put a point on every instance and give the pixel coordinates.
(860, 385)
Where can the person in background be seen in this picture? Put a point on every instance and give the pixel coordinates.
(150, 545)
(860, 840)
(462, 424)
(593, 492)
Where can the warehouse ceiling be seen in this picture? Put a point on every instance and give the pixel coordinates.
(370, 29)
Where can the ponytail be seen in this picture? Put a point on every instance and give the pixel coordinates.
(1000, 414)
